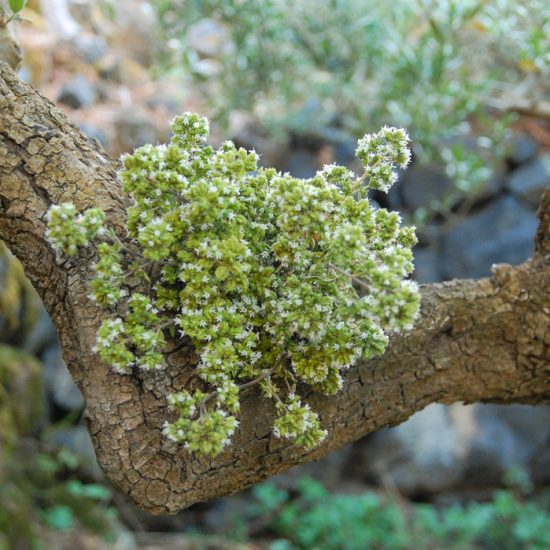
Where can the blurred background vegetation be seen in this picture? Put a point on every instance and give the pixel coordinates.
(448, 71)
(300, 82)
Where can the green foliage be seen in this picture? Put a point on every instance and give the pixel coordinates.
(314, 518)
(67, 231)
(20, 306)
(16, 6)
(38, 489)
(59, 517)
(39, 484)
(276, 280)
(301, 65)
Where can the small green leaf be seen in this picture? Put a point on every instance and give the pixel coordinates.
(59, 517)
(67, 458)
(47, 464)
(96, 492)
(17, 5)
(93, 491)
(437, 32)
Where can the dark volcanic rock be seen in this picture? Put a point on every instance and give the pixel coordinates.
(78, 92)
(91, 48)
(59, 384)
(420, 185)
(427, 265)
(94, 133)
(444, 448)
(522, 150)
(529, 182)
(501, 232)
(134, 129)
(302, 164)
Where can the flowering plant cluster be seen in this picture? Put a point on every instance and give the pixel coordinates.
(277, 281)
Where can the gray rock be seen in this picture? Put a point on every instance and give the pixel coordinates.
(103, 91)
(329, 470)
(394, 197)
(529, 182)
(134, 129)
(343, 146)
(91, 48)
(94, 133)
(337, 136)
(506, 436)
(302, 164)
(492, 187)
(41, 335)
(248, 132)
(59, 383)
(421, 185)
(427, 265)
(458, 447)
(109, 68)
(501, 232)
(538, 464)
(209, 38)
(78, 93)
(421, 455)
(522, 150)
(222, 513)
(137, 31)
(164, 101)
(425, 185)
(78, 440)
(344, 153)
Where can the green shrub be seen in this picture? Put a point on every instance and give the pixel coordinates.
(315, 519)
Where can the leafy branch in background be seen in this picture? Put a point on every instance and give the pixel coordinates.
(10, 51)
(16, 6)
(443, 69)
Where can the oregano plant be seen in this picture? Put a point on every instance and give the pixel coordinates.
(278, 282)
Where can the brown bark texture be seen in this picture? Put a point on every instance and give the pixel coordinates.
(476, 340)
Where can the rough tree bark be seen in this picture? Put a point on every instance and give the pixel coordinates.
(476, 340)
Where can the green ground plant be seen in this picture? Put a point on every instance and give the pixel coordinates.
(313, 518)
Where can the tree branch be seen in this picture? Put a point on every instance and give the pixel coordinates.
(484, 340)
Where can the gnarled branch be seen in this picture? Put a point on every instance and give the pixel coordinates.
(476, 340)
